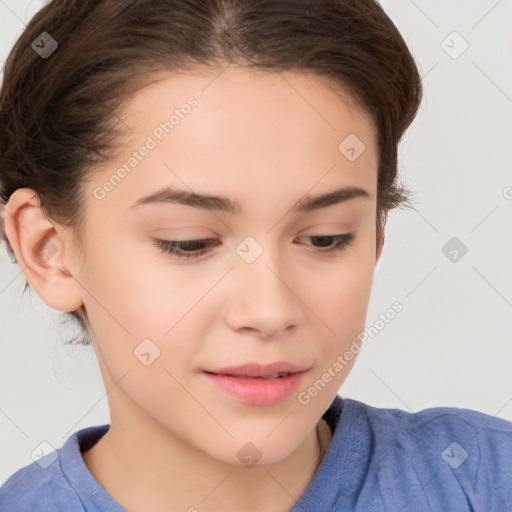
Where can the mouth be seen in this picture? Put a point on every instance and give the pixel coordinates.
(257, 384)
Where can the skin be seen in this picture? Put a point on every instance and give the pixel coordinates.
(265, 140)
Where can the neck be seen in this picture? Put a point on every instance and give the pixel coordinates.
(138, 477)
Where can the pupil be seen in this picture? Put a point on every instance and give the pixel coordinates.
(324, 239)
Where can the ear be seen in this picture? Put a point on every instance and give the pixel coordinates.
(40, 251)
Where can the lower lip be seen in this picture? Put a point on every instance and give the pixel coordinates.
(257, 391)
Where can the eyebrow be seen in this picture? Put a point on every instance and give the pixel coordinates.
(224, 204)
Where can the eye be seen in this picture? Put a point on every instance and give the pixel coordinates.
(194, 248)
(341, 242)
(179, 248)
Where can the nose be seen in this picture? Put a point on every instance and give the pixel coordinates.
(265, 297)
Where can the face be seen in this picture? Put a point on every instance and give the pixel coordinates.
(265, 281)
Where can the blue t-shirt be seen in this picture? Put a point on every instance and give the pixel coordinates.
(442, 459)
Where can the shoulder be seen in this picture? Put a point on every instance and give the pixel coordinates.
(434, 427)
(37, 486)
(443, 452)
(442, 417)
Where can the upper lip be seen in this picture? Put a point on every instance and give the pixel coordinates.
(259, 370)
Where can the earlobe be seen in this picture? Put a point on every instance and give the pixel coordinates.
(40, 251)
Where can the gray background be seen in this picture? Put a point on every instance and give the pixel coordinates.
(451, 344)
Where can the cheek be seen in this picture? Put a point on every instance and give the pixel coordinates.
(136, 307)
(142, 293)
(340, 293)
(340, 306)
(340, 298)
(147, 327)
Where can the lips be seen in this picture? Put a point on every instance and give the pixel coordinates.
(257, 384)
(256, 370)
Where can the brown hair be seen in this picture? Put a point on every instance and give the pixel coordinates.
(58, 115)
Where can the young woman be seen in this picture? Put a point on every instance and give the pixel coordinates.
(204, 186)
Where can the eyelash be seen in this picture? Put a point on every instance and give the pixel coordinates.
(343, 241)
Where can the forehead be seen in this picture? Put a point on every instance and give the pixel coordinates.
(247, 129)
(249, 97)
